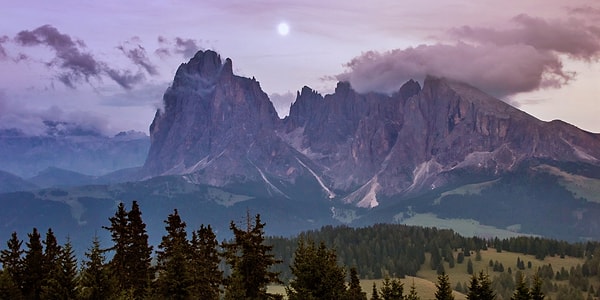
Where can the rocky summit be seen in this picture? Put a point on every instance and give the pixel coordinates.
(220, 129)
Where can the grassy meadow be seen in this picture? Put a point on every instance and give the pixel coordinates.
(426, 278)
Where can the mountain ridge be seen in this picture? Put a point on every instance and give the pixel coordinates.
(354, 145)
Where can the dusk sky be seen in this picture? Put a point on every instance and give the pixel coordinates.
(107, 63)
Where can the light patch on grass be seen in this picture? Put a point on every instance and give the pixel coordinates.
(469, 189)
(580, 186)
(225, 198)
(465, 227)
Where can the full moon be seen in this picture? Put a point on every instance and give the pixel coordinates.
(283, 29)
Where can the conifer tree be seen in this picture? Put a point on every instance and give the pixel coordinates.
(61, 282)
(51, 253)
(355, 292)
(8, 288)
(375, 293)
(33, 266)
(485, 287)
(130, 265)
(206, 275)
(536, 289)
(51, 266)
(316, 273)
(443, 288)
(95, 282)
(140, 253)
(119, 232)
(174, 277)
(12, 263)
(412, 293)
(250, 260)
(521, 290)
(470, 267)
(392, 289)
(474, 289)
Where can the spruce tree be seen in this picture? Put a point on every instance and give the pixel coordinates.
(250, 260)
(474, 289)
(375, 293)
(120, 235)
(536, 289)
(140, 253)
(33, 266)
(174, 277)
(205, 259)
(392, 289)
(443, 288)
(412, 293)
(130, 265)
(94, 282)
(12, 262)
(61, 282)
(470, 267)
(355, 292)
(51, 267)
(8, 288)
(521, 290)
(485, 287)
(316, 273)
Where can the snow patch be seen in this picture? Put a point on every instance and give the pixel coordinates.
(319, 180)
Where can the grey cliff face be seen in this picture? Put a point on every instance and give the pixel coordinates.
(218, 128)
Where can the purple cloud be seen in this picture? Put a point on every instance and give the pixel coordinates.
(500, 62)
(498, 70)
(138, 56)
(573, 37)
(74, 64)
(3, 54)
(187, 48)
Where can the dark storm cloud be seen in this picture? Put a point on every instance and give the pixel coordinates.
(74, 64)
(500, 62)
(138, 56)
(181, 46)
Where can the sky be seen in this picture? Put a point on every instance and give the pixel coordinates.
(105, 64)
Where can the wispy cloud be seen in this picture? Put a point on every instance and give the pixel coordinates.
(76, 65)
(137, 55)
(180, 46)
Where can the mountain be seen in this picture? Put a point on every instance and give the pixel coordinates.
(13, 183)
(67, 146)
(441, 153)
(220, 129)
(54, 177)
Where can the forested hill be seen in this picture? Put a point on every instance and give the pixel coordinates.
(396, 250)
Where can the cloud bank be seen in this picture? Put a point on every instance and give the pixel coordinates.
(35, 121)
(501, 62)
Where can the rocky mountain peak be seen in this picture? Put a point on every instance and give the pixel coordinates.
(219, 128)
